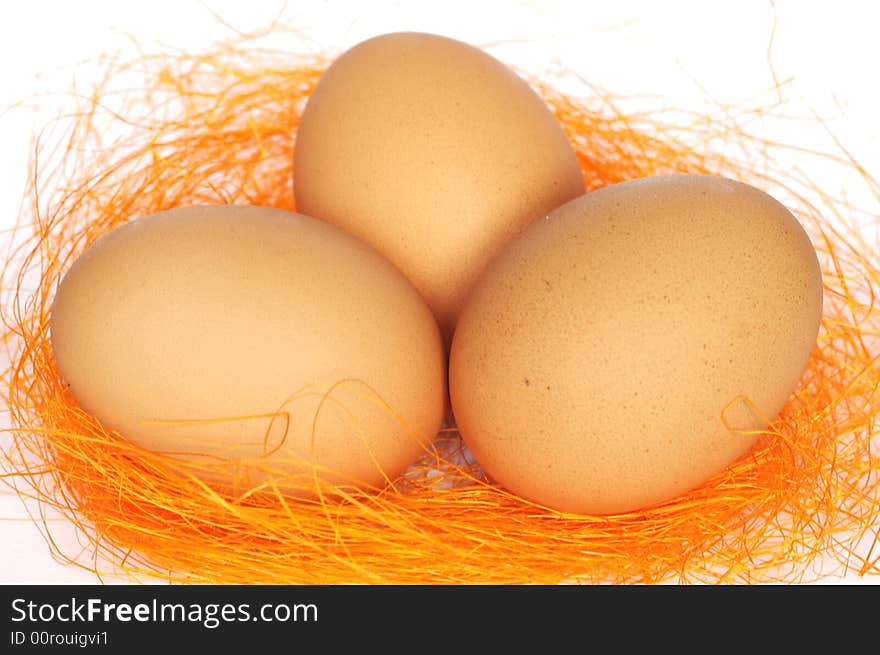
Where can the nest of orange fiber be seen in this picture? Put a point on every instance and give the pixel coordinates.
(220, 128)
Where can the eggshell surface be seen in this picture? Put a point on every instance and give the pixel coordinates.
(635, 342)
(433, 152)
(254, 340)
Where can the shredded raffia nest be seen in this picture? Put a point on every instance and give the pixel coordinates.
(220, 128)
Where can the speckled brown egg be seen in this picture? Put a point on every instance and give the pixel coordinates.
(635, 342)
(433, 152)
(252, 342)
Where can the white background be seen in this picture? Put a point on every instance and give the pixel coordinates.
(690, 54)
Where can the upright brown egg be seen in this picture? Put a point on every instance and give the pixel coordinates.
(433, 152)
(635, 342)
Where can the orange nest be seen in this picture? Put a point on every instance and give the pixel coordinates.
(220, 128)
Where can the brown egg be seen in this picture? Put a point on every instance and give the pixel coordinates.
(433, 152)
(246, 339)
(626, 348)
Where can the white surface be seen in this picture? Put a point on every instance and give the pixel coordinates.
(684, 52)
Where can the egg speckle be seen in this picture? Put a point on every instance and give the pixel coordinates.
(635, 342)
